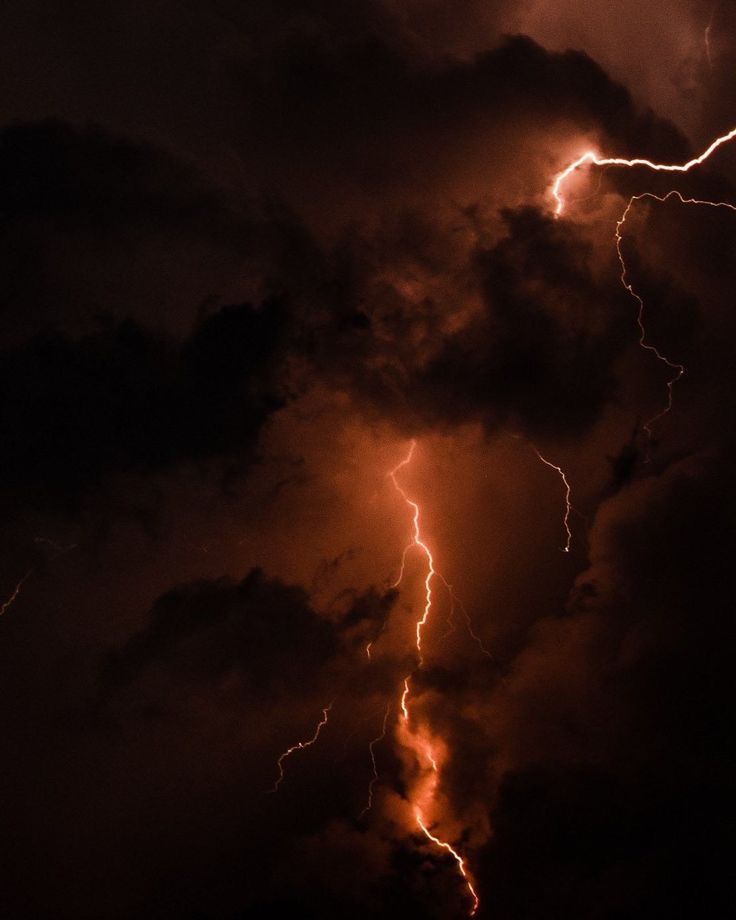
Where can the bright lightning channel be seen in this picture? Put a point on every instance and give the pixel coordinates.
(417, 741)
(594, 160)
(458, 859)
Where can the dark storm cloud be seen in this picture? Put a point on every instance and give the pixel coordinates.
(182, 734)
(550, 321)
(261, 628)
(607, 777)
(551, 316)
(333, 164)
(123, 399)
(91, 222)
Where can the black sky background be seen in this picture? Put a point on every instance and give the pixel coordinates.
(248, 251)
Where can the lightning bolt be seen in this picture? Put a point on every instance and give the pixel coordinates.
(454, 599)
(13, 597)
(372, 751)
(568, 491)
(416, 541)
(593, 159)
(456, 856)
(417, 741)
(679, 369)
(300, 746)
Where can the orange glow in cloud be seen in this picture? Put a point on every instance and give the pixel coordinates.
(428, 751)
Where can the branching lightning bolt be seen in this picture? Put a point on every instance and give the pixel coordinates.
(300, 746)
(679, 369)
(593, 159)
(415, 740)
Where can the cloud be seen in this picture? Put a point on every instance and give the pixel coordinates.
(124, 399)
(260, 629)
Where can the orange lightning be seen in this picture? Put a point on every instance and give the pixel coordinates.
(14, 594)
(594, 160)
(372, 750)
(568, 504)
(456, 856)
(299, 746)
(417, 741)
(416, 540)
(454, 599)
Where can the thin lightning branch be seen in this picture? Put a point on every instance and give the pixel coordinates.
(454, 599)
(299, 746)
(451, 624)
(7, 604)
(60, 551)
(676, 194)
(568, 505)
(372, 750)
(679, 369)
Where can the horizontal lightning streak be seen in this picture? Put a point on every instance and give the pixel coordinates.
(594, 160)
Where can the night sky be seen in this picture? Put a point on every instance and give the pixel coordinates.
(297, 364)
